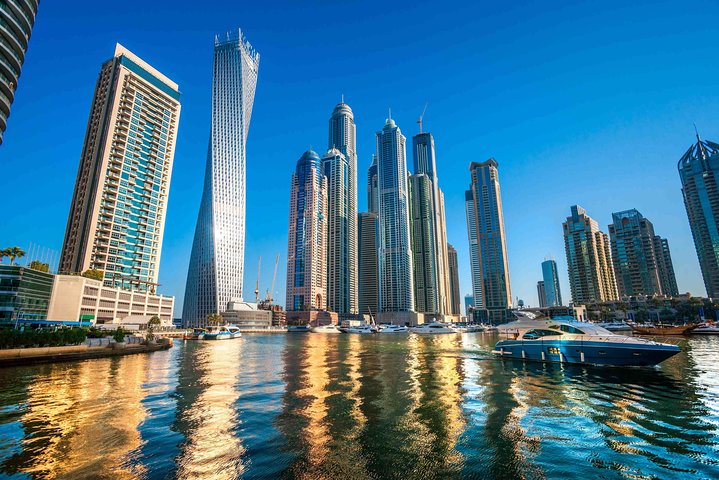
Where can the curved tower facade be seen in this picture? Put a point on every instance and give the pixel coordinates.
(218, 249)
(17, 18)
(340, 167)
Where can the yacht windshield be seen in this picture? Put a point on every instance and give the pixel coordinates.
(537, 333)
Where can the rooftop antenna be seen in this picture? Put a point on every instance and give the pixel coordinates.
(390, 113)
(343, 98)
(697, 132)
(419, 120)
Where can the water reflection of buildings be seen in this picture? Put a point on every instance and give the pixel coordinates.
(207, 416)
(82, 419)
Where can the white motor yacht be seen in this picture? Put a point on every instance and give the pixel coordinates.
(360, 329)
(434, 327)
(331, 328)
(706, 329)
(390, 328)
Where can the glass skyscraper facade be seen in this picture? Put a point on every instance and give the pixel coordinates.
(639, 256)
(493, 297)
(421, 223)
(699, 173)
(118, 210)
(395, 254)
(339, 165)
(17, 18)
(372, 193)
(589, 261)
(307, 237)
(541, 294)
(455, 299)
(218, 250)
(550, 276)
(368, 268)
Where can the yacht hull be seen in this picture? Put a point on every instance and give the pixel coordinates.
(586, 352)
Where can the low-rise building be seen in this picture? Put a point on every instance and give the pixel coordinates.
(246, 315)
(79, 298)
(24, 293)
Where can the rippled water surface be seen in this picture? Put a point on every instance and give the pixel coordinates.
(353, 406)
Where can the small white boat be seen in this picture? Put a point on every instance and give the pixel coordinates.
(234, 331)
(390, 328)
(432, 328)
(299, 329)
(706, 329)
(359, 329)
(218, 333)
(475, 328)
(326, 329)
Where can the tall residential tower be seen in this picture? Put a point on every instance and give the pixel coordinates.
(589, 261)
(550, 276)
(485, 222)
(699, 173)
(218, 249)
(17, 18)
(307, 237)
(395, 254)
(118, 210)
(339, 165)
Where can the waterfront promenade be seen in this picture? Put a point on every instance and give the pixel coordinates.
(359, 406)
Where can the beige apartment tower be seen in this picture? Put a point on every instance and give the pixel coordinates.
(117, 215)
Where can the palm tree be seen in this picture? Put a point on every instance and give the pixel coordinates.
(3, 254)
(13, 253)
(214, 319)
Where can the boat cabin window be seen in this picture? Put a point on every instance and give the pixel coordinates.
(570, 329)
(537, 333)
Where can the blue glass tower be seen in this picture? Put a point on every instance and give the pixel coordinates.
(552, 293)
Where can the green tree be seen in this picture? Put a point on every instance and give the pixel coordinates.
(94, 274)
(39, 266)
(14, 253)
(154, 321)
(214, 319)
(3, 254)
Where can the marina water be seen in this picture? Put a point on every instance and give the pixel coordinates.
(359, 406)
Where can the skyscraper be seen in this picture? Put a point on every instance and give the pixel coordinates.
(589, 260)
(368, 268)
(493, 290)
(17, 18)
(395, 254)
(475, 271)
(218, 249)
(425, 163)
(307, 237)
(541, 294)
(550, 275)
(636, 262)
(699, 173)
(455, 299)
(665, 266)
(340, 168)
(117, 215)
(421, 213)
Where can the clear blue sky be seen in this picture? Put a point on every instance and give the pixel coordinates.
(589, 103)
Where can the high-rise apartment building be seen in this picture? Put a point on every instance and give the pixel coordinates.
(637, 255)
(340, 167)
(493, 296)
(17, 18)
(218, 250)
(455, 299)
(665, 266)
(118, 210)
(474, 270)
(589, 261)
(550, 275)
(368, 268)
(425, 163)
(541, 294)
(699, 174)
(307, 237)
(421, 223)
(395, 254)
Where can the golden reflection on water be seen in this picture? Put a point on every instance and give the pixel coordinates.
(82, 420)
(212, 449)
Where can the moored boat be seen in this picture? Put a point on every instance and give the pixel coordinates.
(197, 334)
(331, 328)
(390, 328)
(662, 329)
(579, 343)
(706, 329)
(364, 328)
(218, 333)
(298, 329)
(433, 328)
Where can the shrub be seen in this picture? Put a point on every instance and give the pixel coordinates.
(119, 335)
(10, 338)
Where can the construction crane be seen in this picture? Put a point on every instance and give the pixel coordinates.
(419, 120)
(274, 276)
(257, 285)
